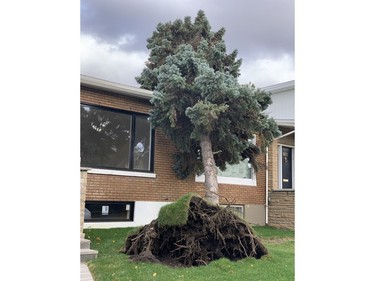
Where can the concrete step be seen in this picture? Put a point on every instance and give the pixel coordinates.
(85, 243)
(88, 254)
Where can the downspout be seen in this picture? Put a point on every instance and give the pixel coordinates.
(266, 185)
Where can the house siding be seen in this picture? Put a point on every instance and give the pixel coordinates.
(165, 187)
(282, 107)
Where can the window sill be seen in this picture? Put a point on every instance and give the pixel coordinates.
(121, 173)
(228, 180)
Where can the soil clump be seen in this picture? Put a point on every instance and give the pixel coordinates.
(209, 233)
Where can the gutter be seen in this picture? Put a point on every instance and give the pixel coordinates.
(280, 87)
(285, 135)
(116, 87)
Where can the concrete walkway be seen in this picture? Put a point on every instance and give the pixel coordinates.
(85, 273)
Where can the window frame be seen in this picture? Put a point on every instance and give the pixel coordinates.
(104, 219)
(232, 208)
(133, 115)
(233, 180)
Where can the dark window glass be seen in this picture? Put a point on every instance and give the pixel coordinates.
(287, 168)
(109, 211)
(107, 137)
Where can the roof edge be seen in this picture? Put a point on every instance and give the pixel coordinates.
(116, 87)
(280, 87)
(285, 122)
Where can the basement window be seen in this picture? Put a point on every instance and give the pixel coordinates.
(236, 209)
(99, 211)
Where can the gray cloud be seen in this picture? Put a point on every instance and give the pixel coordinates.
(257, 29)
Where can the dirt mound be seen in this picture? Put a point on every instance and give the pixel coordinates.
(210, 233)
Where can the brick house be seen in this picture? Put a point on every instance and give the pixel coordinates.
(280, 158)
(127, 165)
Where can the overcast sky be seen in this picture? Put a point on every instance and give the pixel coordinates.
(114, 34)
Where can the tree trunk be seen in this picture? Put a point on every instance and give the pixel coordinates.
(210, 170)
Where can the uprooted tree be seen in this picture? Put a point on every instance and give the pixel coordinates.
(192, 232)
(199, 104)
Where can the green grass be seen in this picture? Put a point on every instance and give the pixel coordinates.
(111, 265)
(267, 232)
(175, 213)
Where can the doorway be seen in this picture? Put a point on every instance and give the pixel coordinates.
(286, 167)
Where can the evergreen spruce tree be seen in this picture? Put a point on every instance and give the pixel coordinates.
(198, 102)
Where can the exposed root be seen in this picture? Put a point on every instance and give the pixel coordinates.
(210, 233)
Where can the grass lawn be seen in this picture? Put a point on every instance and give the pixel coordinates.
(111, 265)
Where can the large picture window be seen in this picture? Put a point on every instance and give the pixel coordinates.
(113, 139)
(239, 174)
(241, 170)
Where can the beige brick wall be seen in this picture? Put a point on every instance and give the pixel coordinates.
(281, 209)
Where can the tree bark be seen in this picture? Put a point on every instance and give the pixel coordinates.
(210, 170)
